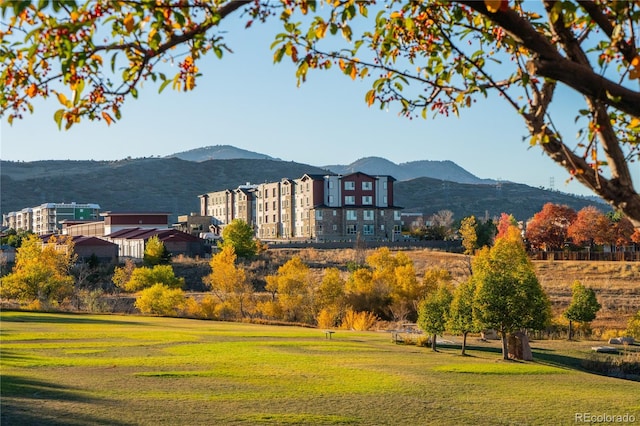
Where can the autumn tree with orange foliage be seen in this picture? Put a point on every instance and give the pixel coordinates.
(590, 226)
(548, 229)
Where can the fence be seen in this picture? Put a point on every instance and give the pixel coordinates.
(626, 256)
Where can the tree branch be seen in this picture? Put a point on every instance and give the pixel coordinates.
(549, 63)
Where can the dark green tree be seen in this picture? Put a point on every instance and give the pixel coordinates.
(508, 295)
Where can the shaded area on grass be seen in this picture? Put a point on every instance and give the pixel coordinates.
(66, 318)
(20, 404)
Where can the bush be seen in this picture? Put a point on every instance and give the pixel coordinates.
(328, 318)
(633, 326)
(145, 277)
(159, 299)
(360, 321)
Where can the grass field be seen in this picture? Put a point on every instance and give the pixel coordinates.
(64, 369)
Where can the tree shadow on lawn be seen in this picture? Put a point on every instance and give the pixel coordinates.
(28, 401)
(543, 356)
(62, 318)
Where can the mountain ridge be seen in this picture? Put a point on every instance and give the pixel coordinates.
(173, 185)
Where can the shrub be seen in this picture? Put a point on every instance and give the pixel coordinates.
(633, 326)
(208, 307)
(328, 317)
(145, 277)
(360, 321)
(159, 299)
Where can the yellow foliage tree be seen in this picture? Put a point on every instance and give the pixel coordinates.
(229, 283)
(330, 298)
(293, 286)
(41, 271)
(159, 299)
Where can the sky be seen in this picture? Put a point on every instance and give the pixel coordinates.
(246, 101)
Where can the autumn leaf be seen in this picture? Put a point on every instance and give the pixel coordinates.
(32, 91)
(63, 99)
(107, 118)
(128, 22)
(370, 97)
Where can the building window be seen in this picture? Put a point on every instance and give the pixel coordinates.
(349, 185)
(275, 206)
(319, 214)
(274, 219)
(330, 199)
(381, 212)
(367, 229)
(335, 212)
(350, 199)
(319, 229)
(396, 215)
(352, 215)
(367, 186)
(384, 185)
(330, 184)
(367, 200)
(335, 227)
(382, 227)
(396, 229)
(274, 192)
(384, 199)
(266, 219)
(266, 207)
(368, 214)
(352, 229)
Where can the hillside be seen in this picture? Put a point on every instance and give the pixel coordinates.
(153, 184)
(173, 185)
(429, 196)
(219, 152)
(443, 170)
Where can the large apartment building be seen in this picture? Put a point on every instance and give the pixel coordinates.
(320, 207)
(46, 218)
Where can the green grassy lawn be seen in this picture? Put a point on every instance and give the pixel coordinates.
(125, 370)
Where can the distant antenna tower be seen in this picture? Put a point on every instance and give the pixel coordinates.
(552, 183)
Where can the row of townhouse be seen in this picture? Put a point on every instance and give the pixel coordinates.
(47, 218)
(320, 207)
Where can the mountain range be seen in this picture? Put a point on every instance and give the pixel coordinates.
(172, 184)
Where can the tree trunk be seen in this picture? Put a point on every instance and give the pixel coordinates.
(464, 342)
(570, 330)
(505, 346)
(433, 343)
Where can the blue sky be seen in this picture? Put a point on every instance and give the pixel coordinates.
(246, 101)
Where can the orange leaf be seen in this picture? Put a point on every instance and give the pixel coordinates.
(107, 118)
(32, 90)
(128, 22)
(341, 64)
(635, 62)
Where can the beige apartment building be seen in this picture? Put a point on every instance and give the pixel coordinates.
(317, 207)
(47, 218)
